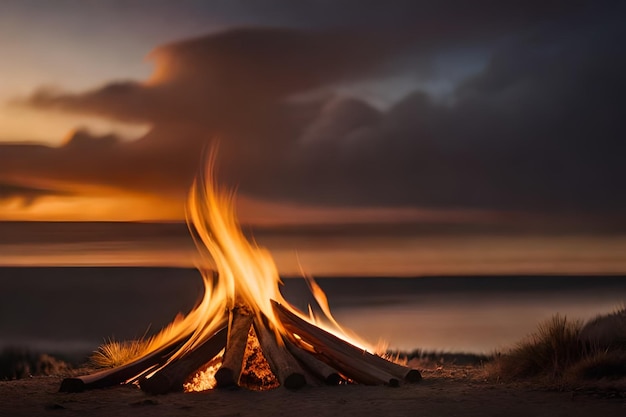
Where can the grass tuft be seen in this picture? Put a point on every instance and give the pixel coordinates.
(608, 365)
(114, 353)
(569, 352)
(553, 348)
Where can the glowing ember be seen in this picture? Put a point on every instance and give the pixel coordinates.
(204, 378)
(257, 374)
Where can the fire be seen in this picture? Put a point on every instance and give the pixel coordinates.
(235, 272)
(243, 332)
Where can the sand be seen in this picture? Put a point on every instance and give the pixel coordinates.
(449, 391)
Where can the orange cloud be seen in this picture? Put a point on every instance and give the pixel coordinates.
(104, 206)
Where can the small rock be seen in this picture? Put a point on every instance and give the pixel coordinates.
(144, 402)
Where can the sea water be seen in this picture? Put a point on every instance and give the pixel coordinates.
(74, 309)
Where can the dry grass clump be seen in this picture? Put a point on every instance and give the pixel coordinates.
(114, 353)
(17, 363)
(608, 331)
(554, 347)
(568, 351)
(601, 365)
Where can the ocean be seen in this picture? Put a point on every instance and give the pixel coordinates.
(71, 310)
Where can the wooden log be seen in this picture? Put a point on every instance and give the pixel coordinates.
(284, 366)
(172, 377)
(354, 362)
(330, 346)
(351, 366)
(393, 368)
(120, 374)
(321, 370)
(238, 328)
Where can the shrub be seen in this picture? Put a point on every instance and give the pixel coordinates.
(554, 347)
(601, 365)
(607, 331)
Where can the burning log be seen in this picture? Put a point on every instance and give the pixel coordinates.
(332, 353)
(121, 374)
(172, 376)
(356, 363)
(283, 364)
(324, 355)
(239, 326)
(321, 370)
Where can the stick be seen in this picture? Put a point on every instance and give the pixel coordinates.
(334, 348)
(239, 326)
(326, 373)
(172, 377)
(120, 374)
(283, 365)
(353, 367)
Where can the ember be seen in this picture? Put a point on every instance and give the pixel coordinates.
(243, 332)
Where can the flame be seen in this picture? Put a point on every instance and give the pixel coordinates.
(235, 271)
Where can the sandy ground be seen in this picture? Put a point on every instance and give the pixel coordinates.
(454, 391)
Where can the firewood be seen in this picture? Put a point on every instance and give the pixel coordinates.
(352, 367)
(284, 366)
(172, 377)
(321, 370)
(350, 360)
(120, 374)
(332, 347)
(239, 326)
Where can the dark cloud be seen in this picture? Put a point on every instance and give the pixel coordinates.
(106, 160)
(83, 141)
(538, 129)
(230, 74)
(26, 194)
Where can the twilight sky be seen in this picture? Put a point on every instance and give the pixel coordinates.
(324, 110)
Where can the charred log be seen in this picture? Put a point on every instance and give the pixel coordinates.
(352, 361)
(239, 326)
(321, 370)
(172, 376)
(284, 366)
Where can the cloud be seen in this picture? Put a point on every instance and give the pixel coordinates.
(537, 129)
(209, 79)
(26, 194)
(230, 84)
(540, 128)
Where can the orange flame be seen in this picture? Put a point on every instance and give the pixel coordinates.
(246, 273)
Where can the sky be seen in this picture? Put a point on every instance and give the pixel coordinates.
(322, 111)
(378, 137)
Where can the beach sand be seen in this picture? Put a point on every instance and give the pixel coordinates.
(444, 391)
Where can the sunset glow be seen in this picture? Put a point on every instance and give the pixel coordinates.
(105, 206)
(323, 122)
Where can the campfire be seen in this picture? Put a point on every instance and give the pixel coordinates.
(243, 332)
